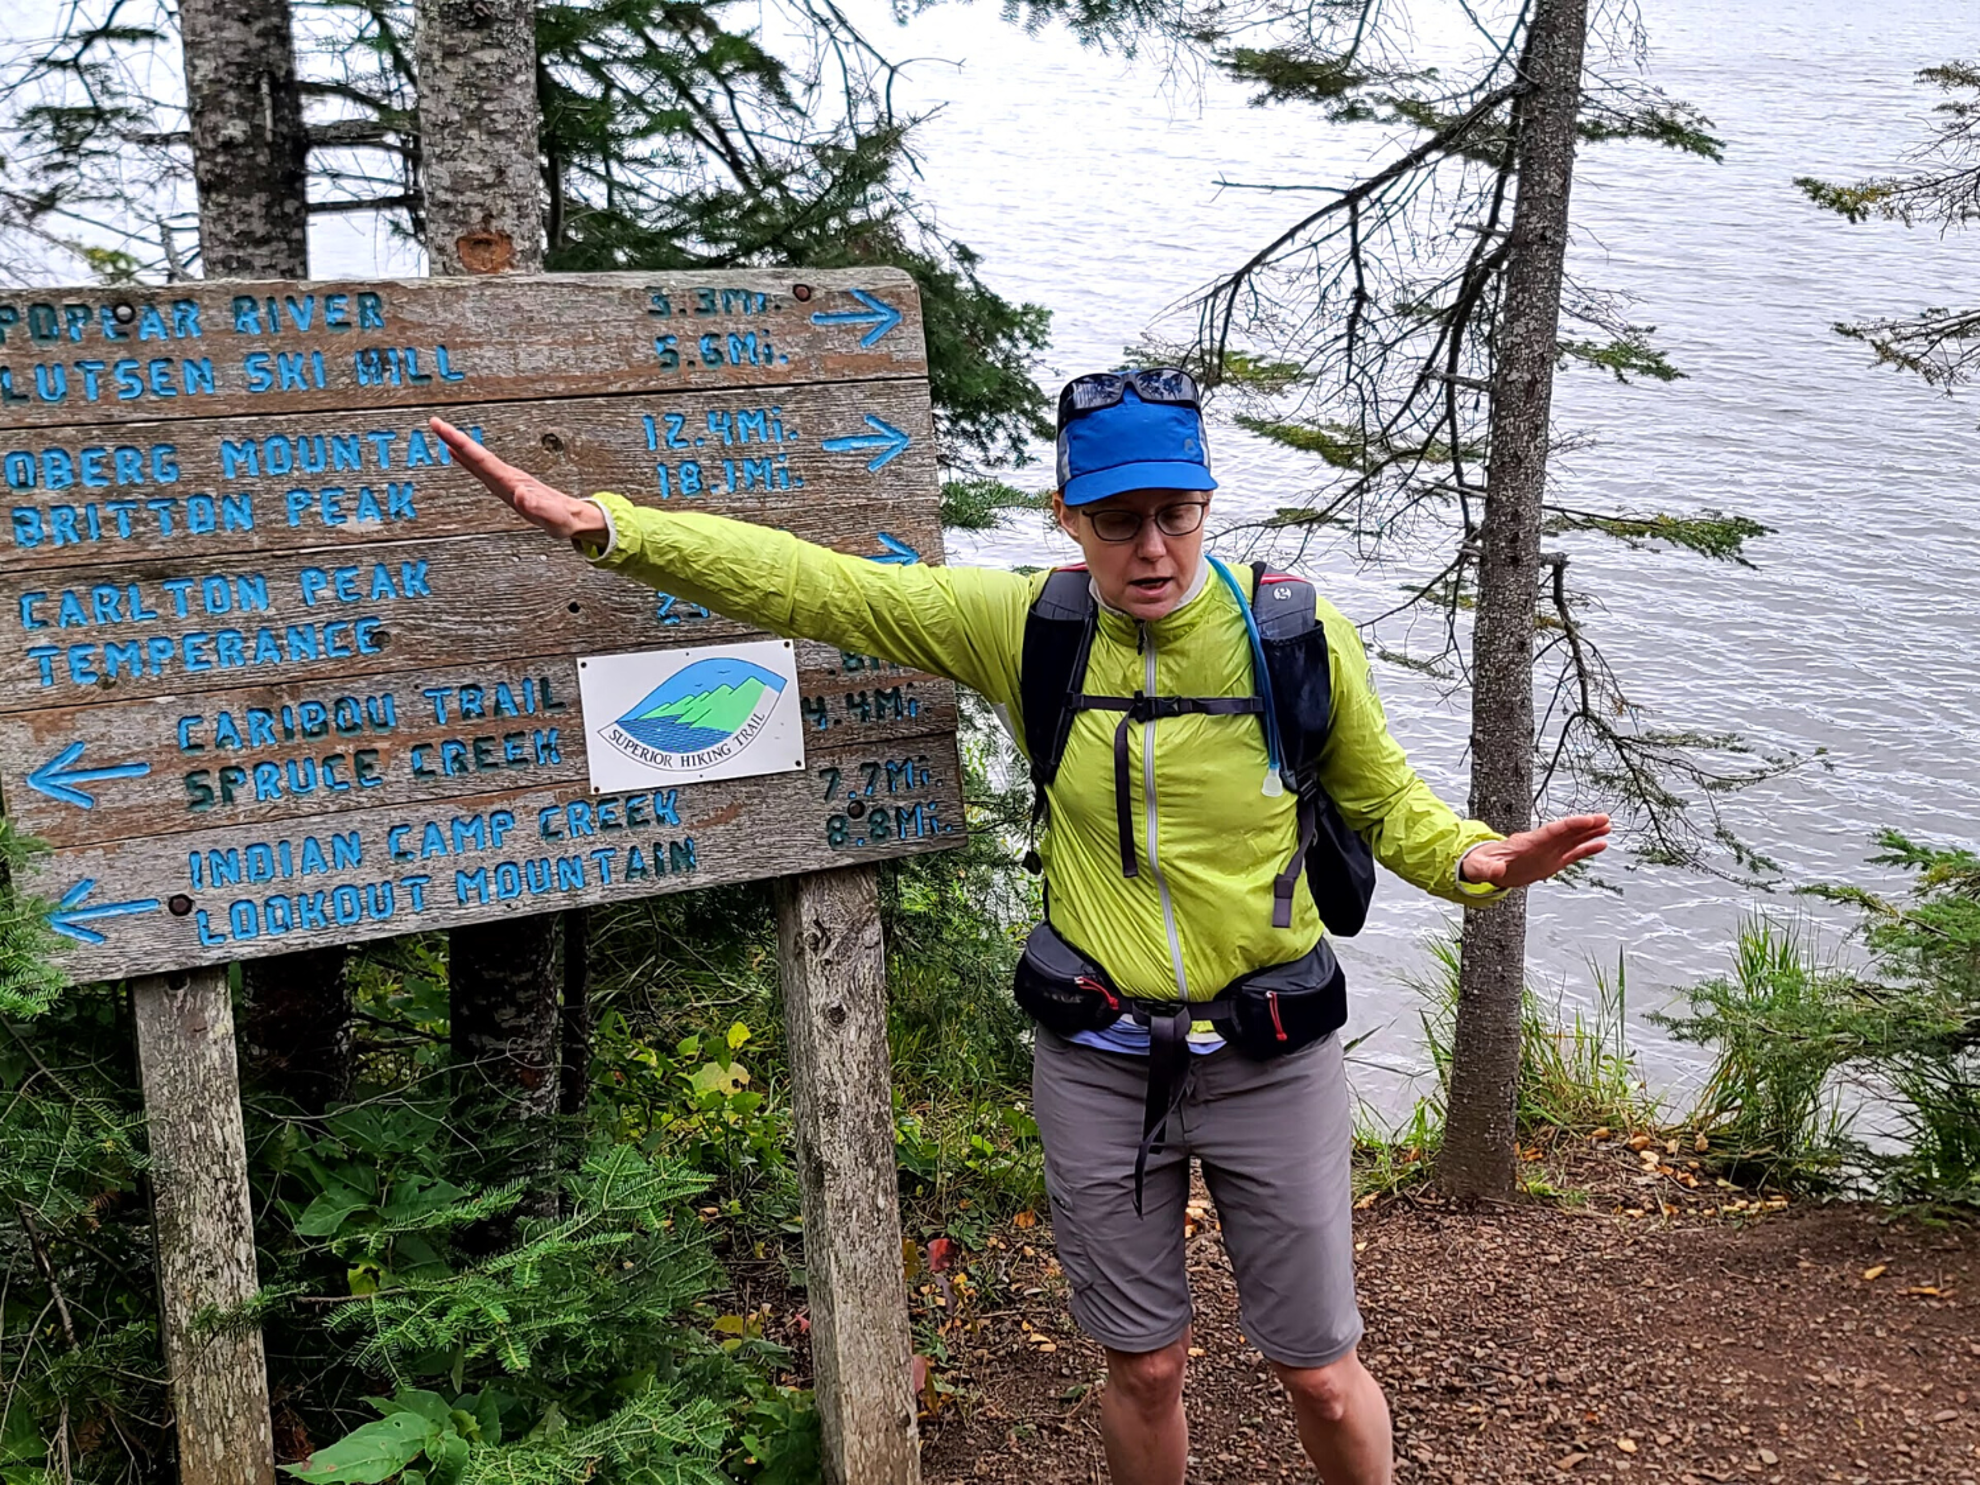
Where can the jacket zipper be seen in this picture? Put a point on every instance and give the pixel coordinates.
(1146, 643)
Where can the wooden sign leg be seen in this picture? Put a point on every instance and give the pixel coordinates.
(203, 1225)
(835, 1011)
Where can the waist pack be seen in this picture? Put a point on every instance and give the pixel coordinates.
(1267, 1013)
(1264, 1014)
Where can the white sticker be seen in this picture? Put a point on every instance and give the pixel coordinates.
(679, 716)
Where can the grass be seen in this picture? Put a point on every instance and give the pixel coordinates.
(1576, 1071)
(1576, 1075)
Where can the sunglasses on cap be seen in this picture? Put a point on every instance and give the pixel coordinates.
(1090, 393)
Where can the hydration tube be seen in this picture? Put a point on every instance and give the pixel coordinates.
(1261, 682)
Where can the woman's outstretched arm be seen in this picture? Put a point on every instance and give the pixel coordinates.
(965, 623)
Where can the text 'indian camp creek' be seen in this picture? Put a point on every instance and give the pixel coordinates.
(627, 828)
(611, 840)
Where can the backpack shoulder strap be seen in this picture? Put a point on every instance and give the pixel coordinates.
(1058, 636)
(1295, 643)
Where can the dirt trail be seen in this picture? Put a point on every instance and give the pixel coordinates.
(1535, 1343)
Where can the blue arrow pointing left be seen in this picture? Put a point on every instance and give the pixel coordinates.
(71, 917)
(58, 781)
(897, 551)
(884, 437)
(881, 315)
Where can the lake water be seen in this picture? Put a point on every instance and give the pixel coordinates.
(1090, 185)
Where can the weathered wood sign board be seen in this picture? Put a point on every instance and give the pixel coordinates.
(275, 672)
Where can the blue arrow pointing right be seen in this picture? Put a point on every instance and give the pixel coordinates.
(58, 780)
(71, 917)
(881, 315)
(891, 442)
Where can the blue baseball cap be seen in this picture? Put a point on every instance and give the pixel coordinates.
(1132, 445)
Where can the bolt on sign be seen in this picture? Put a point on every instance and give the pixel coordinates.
(276, 673)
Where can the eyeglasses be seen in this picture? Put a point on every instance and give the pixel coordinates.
(1090, 393)
(1117, 524)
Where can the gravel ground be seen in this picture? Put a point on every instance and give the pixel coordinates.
(1543, 1340)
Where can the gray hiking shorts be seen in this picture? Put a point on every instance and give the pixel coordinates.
(1274, 1139)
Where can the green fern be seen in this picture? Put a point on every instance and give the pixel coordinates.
(29, 980)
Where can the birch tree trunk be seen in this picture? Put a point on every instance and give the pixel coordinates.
(250, 155)
(478, 135)
(250, 164)
(1480, 1150)
(483, 213)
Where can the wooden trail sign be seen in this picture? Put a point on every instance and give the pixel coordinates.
(275, 673)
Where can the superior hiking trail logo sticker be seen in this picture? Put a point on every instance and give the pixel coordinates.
(682, 715)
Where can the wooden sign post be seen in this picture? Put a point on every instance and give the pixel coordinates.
(275, 674)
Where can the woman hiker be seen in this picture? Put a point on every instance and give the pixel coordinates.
(1214, 768)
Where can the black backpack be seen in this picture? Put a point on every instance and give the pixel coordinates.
(1295, 706)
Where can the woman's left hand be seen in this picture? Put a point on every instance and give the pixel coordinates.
(1534, 855)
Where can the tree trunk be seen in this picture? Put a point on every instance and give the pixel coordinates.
(504, 1008)
(478, 134)
(835, 1019)
(203, 1226)
(297, 1025)
(250, 164)
(1480, 1151)
(250, 156)
(484, 214)
(574, 1035)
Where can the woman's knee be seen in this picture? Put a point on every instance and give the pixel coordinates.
(1325, 1392)
(1150, 1381)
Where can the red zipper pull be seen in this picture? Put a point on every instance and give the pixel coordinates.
(1102, 991)
(1272, 1001)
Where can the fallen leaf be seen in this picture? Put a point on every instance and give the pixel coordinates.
(1569, 1461)
(1636, 1142)
(1026, 1218)
(1365, 1203)
(1602, 1133)
(1876, 1272)
(1923, 1289)
(1701, 1144)
(941, 1253)
(910, 1260)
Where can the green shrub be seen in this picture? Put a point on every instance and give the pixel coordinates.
(1770, 1103)
(1794, 1036)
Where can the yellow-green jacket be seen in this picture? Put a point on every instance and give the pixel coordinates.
(1200, 912)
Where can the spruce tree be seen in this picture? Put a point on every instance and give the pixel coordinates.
(1941, 344)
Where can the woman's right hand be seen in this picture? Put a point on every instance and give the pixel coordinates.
(541, 505)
